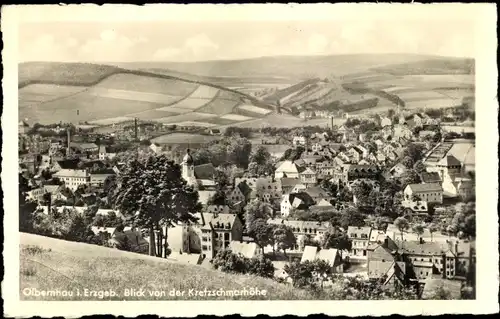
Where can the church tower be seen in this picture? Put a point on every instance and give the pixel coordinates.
(188, 169)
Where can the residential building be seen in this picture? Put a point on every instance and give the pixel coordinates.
(104, 155)
(430, 177)
(286, 169)
(247, 250)
(430, 193)
(308, 177)
(73, 178)
(299, 140)
(351, 172)
(360, 237)
(331, 256)
(98, 179)
(288, 184)
(393, 273)
(312, 229)
(236, 195)
(215, 232)
(295, 201)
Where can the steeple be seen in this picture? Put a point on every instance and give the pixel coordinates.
(188, 168)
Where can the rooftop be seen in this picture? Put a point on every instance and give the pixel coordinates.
(421, 188)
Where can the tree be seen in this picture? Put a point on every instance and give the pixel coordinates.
(331, 239)
(414, 151)
(301, 274)
(284, 237)
(469, 228)
(402, 224)
(153, 194)
(419, 167)
(411, 177)
(221, 179)
(261, 156)
(26, 208)
(218, 199)
(351, 217)
(256, 210)
(262, 232)
(432, 229)
(407, 161)
(238, 151)
(261, 266)
(418, 229)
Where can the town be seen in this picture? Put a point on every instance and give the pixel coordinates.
(383, 200)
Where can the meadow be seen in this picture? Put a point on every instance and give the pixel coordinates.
(184, 138)
(50, 264)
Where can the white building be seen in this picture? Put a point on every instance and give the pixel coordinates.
(73, 178)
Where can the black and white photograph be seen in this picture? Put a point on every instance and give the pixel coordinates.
(264, 158)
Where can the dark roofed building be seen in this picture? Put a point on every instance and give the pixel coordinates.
(204, 171)
(430, 177)
(430, 193)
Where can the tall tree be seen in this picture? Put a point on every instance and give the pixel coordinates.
(419, 230)
(432, 229)
(26, 208)
(284, 237)
(256, 210)
(351, 217)
(402, 224)
(153, 194)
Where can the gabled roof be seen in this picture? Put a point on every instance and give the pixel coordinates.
(430, 177)
(309, 171)
(289, 182)
(359, 232)
(69, 163)
(248, 250)
(421, 188)
(449, 160)
(418, 248)
(311, 253)
(72, 173)
(316, 191)
(287, 167)
(216, 221)
(204, 171)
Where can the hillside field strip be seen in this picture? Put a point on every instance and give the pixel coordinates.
(82, 107)
(110, 121)
(435, 104)
(195, 123)
(254, 109)
(134, 95)
(147, 84)
(184, 138)
(172, 109)
(204, 92)
(218, 121)
(419, 95)
(191, 116)
(39, 93)
(457, 94)
(151, 115)
(219, 106)
(236, 117)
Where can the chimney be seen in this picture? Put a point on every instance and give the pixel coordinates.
(135, 128)
(69, 142)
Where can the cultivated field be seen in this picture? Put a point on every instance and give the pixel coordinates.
(112, 120)
(191, 116)
(235, 117)
(173, 109)
(419, 95)
(152, 115)
(49, 264)
(39, 93)
(204, 92)
(219, 106)
(195, 123)
(254, 109)
(191, 103)
(435, 104)
(134, 95)
(184, 138)
(148, 84)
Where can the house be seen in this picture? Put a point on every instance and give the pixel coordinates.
(430, 193)
(398, 171)
(385, 121)
(360, 237)
(331, 256)
(65, 164)
(316, 193)
(55, 192)
(295, 201)
(288, 184)
(381, 158)
(247, 250)
(449, 164)
(312, 229)
(299, 140)
(402, 131)
(350, 172)
(430, 177)
(236, 194)
(308, 177)
(98, 179)
(355, 154)
(418, 207)
(266, 189)
(23, 127)
(393, 273)
(214, 232)
(73, 178)
(214, 131)
(85, 147)
(287, 169)
(104, 155)
(387, 132)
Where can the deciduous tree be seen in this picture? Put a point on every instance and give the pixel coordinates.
(153, 194)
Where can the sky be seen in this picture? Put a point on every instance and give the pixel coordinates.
(197, 40)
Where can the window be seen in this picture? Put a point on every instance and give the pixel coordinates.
(204, 247)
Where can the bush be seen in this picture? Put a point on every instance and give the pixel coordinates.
(227, 261)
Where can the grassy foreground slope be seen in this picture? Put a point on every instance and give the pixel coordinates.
(71, 266)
